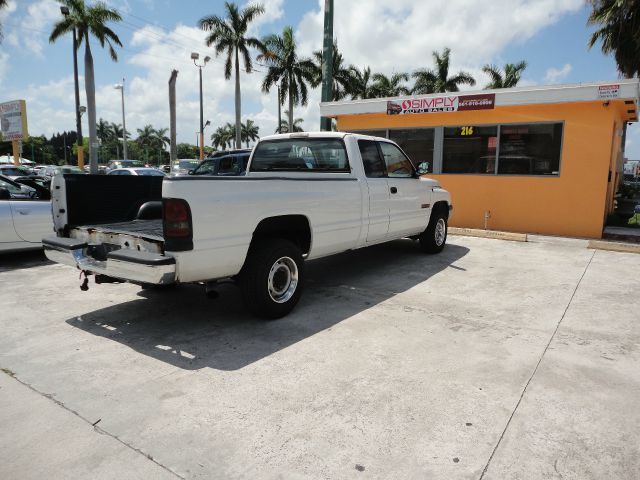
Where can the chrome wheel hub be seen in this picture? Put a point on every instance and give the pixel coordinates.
(283, 280)
(440, 232)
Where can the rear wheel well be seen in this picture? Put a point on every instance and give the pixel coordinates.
(294, 228)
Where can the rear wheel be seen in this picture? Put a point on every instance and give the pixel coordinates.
(433, 239)
(272, 278)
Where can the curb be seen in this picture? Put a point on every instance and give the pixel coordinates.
(471, 232)
(614, 246)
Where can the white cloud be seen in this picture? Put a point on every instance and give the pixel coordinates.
(388, 36)
(40, 18)
(555, 75)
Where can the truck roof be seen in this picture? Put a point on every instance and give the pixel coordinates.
(282, 136)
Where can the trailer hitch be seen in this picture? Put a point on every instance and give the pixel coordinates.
(84, 286)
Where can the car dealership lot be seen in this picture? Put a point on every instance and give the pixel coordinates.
(519, 360)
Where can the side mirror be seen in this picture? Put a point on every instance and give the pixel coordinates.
(190, 172)
(423, 167)
(5, 194)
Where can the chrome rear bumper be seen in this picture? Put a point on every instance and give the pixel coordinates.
(132, 265)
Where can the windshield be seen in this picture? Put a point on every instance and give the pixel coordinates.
(70, 170)
(187, 164)
(14, 171)
(150, 172)
(301, 154)
(12, 187)
(208, 167)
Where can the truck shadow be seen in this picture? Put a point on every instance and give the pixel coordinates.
(22, 260)
(184, 328)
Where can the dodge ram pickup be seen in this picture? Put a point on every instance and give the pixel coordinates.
(304, 196)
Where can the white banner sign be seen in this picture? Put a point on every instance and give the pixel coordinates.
(13, 120)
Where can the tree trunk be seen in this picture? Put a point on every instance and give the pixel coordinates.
(290, 107)
(90, 88)
(173, 150)
(238, 126)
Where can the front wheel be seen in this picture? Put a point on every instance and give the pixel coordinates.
(272, 278)
(433, 239)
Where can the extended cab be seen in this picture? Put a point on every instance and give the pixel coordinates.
(305, 196)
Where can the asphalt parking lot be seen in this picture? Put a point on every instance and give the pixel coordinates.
(494, 360)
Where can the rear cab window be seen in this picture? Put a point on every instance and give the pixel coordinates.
(319, 155)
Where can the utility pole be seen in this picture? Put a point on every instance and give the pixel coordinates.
(173, 149)
(327, 62)
(65, 11)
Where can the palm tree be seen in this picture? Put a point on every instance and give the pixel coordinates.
(284, 125)
(103, 131)
(619, 32)
(3, 4)
(146, 136)
(342, 76)
(507, 78)
(438, 80)
(89, 20)
(223, 136)
(229, 35)
(362, 86)
(286, 69)
(384, 86)
(250, 131)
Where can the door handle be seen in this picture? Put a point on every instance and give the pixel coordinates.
(24, 212)
(393, 190)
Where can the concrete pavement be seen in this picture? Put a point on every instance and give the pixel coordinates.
(491, 360)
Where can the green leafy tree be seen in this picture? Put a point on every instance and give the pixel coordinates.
(392, 86)
(186, 150)
(250, 132)
(618, 31)
(286, 69)
(438, 80)
(229, 35)
(507, 78)
(103, 131)
(361, 83)
(89, 21)
(342, 75)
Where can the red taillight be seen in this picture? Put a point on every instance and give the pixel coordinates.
(176, 217)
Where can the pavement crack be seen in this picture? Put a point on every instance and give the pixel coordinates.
(524, 390)
(94, 425)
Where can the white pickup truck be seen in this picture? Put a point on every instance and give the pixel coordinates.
(304, 196)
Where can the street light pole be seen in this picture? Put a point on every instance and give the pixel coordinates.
(120, 86)
(195, 56)
(65, 11)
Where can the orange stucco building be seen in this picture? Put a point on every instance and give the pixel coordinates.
(534, 160)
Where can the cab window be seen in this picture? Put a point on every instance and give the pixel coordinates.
(398, 165)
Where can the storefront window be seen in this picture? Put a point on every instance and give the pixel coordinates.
(469, 149)
(416, 143)
(530, 149)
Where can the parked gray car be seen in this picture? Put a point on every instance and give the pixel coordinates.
(25, 216)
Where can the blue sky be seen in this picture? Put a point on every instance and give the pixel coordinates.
(158, 35)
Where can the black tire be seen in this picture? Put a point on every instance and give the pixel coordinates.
(432, 240)
(262, 271)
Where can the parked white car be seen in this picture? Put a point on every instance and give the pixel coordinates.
(25, 216)
(304, 196)
(138, 171)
